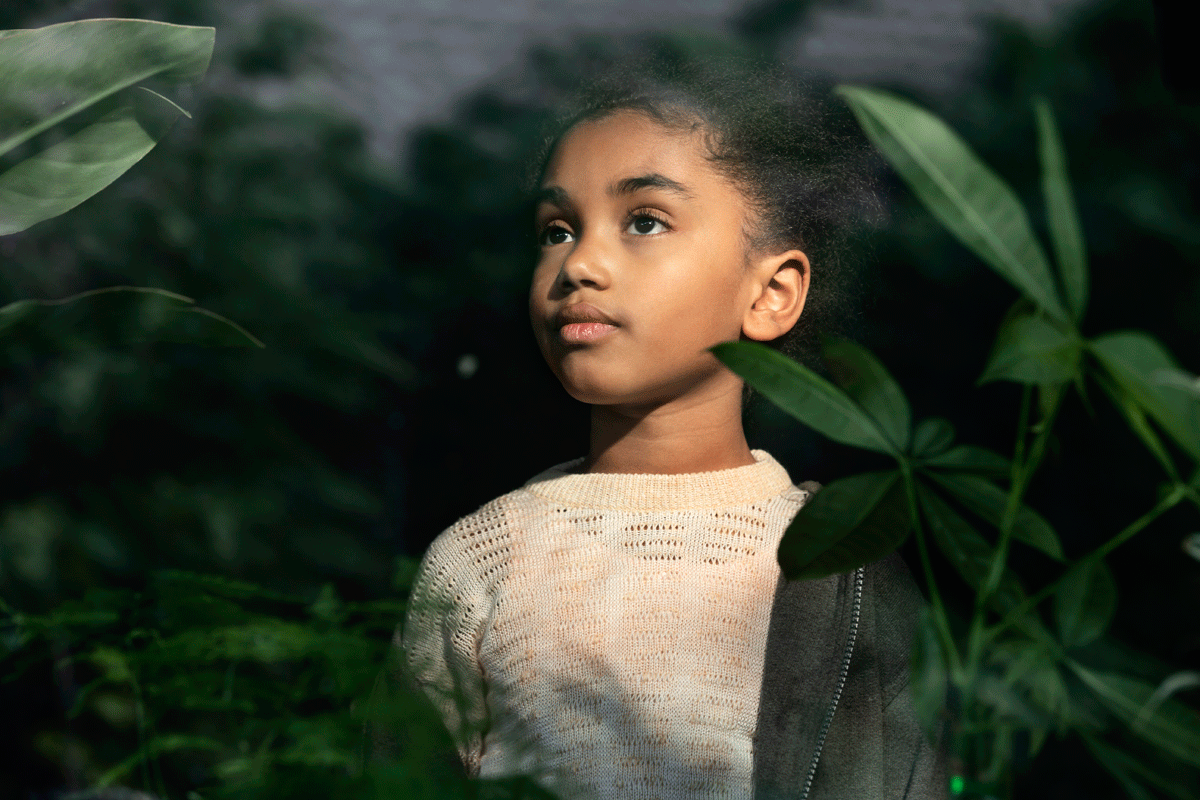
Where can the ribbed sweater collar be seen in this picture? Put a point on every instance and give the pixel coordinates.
(724, 488)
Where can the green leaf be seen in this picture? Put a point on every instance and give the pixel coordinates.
(863, 377)
(1065, 233)
(117, 315)
(804, 395)
(53, 73)
(1172, 727)
(932, 436)
(1191, 545)
(1133, 360)
(962, 192)
(1085, 602)
(1178, 379)
(971, 555)
(1030, 349)
(989, 501)
(969, 458)
(849, 523)
(1136, 417)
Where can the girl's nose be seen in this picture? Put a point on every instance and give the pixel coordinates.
(585, 265)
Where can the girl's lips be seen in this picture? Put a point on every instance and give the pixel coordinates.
(585, 332)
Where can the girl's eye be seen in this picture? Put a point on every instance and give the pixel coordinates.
(646, 225)
(555, 234)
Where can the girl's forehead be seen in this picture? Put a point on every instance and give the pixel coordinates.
(628, 143)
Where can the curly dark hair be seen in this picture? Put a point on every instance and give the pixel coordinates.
(801, 161)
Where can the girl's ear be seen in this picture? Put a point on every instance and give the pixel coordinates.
(782, 286)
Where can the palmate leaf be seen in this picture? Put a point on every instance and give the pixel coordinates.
(87, 72)
(1134, 361)
(1065, 233)
(962, 192)
(804, 395)
(850, 522)
(117, 315)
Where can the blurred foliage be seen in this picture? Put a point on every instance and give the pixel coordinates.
(400, 388)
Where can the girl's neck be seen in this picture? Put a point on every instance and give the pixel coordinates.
(669, 439)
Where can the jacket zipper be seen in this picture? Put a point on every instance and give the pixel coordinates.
(841, 684)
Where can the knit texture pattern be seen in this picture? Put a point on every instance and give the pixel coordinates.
(606, 632)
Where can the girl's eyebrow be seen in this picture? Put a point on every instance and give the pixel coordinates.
(653, 180)
(557, 196)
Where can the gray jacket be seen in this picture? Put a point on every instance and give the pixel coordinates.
(874, 748)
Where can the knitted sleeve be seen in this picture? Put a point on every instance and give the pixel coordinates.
(446, 617)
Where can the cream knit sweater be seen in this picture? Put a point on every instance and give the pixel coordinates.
(606, 632)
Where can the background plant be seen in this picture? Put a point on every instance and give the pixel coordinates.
(1007, 674)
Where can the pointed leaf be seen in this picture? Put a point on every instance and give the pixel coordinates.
(1132, 359)
(962, 192)
(1178, 379)
(988, 501)
(971, 555)
(1065, 233)
(803, 394)
(61, 177)
(932, 436)
(849, 523)
(969, 458)
(1136, 417)
(117, 315)
(1172, 727)
(51, 74)
(1030, 349)
(1085, 602)
(863, 377)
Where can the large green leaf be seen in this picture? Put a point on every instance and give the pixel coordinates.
(863, 377)
(850, 522)
(1085, 602)
(1030, 349)
(1172, 727)
(988, 501)
(85, 73)
(116, 315)
(962, 192)
(50, 74)
(805, 395)
(1134, 361)
(1065, 233)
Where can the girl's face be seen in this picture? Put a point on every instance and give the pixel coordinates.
(642, 264)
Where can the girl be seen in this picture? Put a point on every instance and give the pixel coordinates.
(618, 627)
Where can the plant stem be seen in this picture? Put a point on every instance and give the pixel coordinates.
(935, 598)
(1023, 468)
